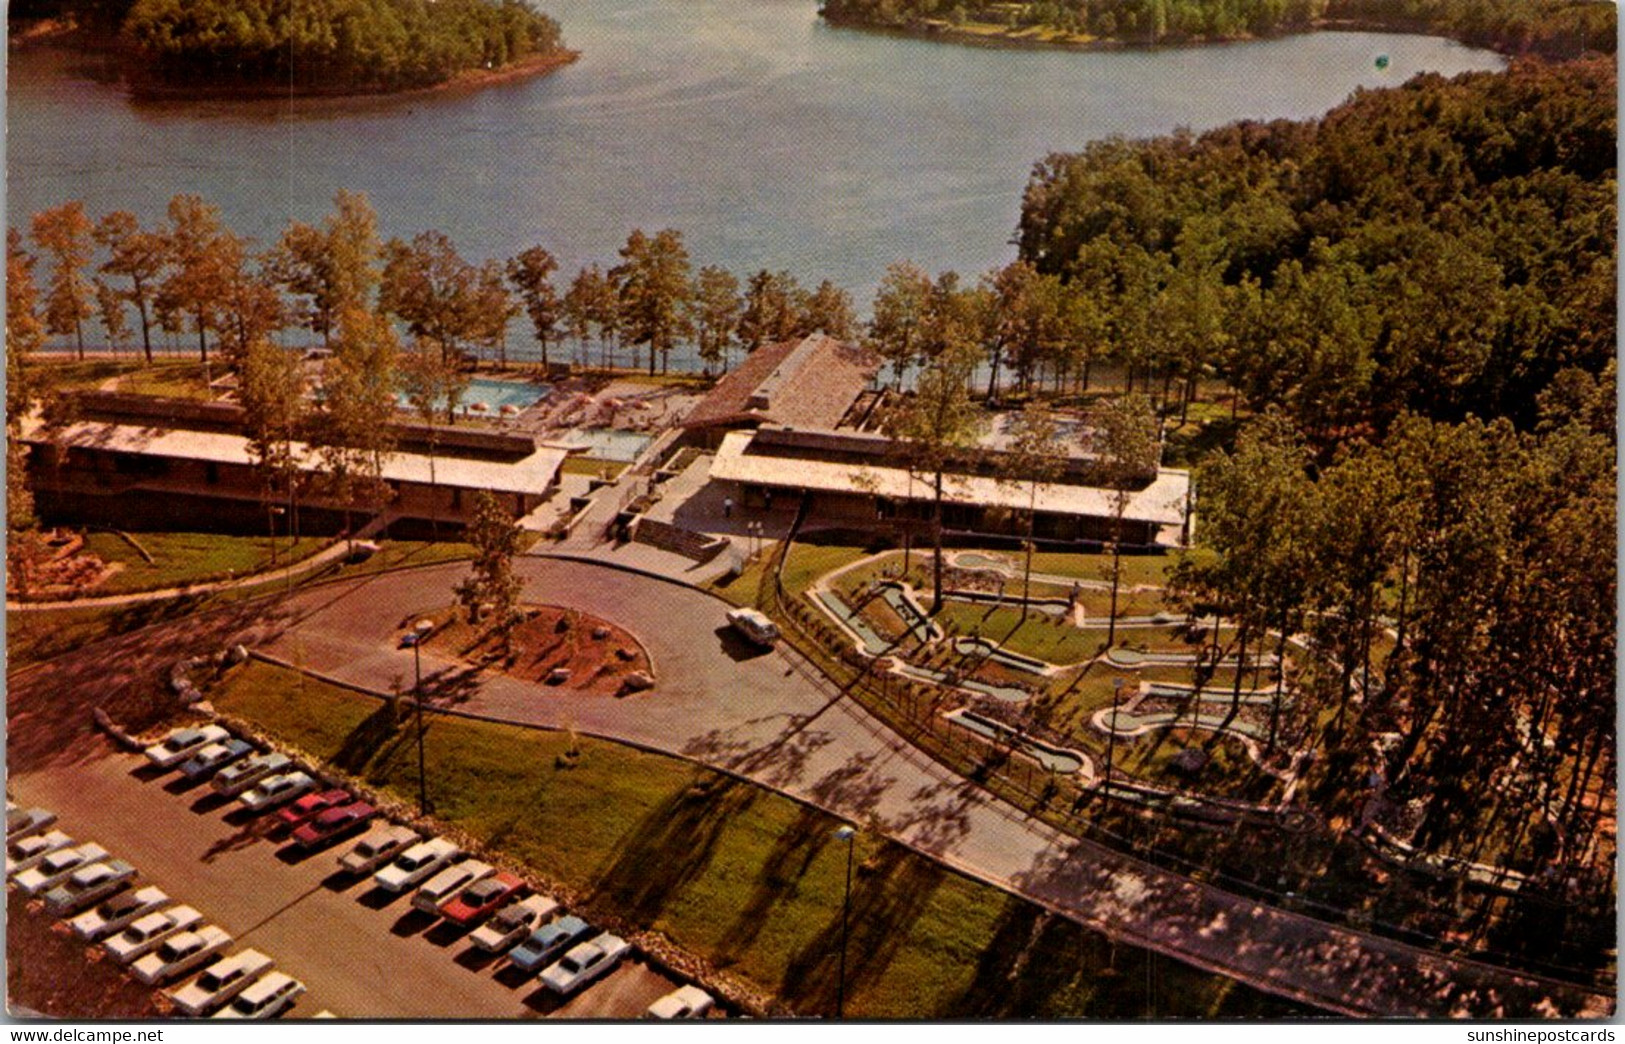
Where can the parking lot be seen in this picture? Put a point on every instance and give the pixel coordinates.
(361, 953)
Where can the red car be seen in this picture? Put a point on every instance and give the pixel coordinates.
(481, 899)
(333, 823)
(311, 805)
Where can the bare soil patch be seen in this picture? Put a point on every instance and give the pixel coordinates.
(52, 972)
(555, 647)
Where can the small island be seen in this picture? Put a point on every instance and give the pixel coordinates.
(266, 48)
(1557, 29)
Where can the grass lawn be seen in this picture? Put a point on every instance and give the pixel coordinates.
(177, 380)
(1039, 636)
(67, 374)
(807, 562)
(1149, 570)
(748, 879)
(187, 558)
(577, 465)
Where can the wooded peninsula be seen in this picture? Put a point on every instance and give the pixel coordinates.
(1549, 28)
(307, 48)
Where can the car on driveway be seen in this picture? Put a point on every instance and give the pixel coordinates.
(754, 625)
(20, 822)
(180, 953)
(685, 1002)
(415, 864)
(118, 912)
(183, 743)
(147, 933)
(481, 899)
(31, 851)
(443, 887)
(382, 843)
(234, 779)
(272, 791)
(214, 757)
(56, 868)
(586, 962)
(311, 805)
(268, 997)
(220, 981)
(333, 823)
(513, 923)
(88, 884)
(547, 942)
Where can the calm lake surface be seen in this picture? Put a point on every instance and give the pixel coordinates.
(769, 138)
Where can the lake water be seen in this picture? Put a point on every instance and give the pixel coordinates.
(769, 138)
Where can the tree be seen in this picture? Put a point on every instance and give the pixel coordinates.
(491, 591)
(110, 309)
(937, 422)
(898, 312)
(531, 273)
(138, 256)
(716, 308)
(591, 310)
(24, 335)
(271, 389)
(652, 284)
(204, 257)
(431, 384)
(354, 433)
(250, 309)
(437, 294)
(494, 308)
(63, 235)
(334, 266)
(1036, 456)
(770, 314)
(1123, 436)
(829, 308)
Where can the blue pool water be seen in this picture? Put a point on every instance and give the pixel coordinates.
(608, 444)
(494, 394)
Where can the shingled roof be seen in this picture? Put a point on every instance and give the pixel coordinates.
(808, 383)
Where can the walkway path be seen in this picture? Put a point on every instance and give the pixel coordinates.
(772, 718)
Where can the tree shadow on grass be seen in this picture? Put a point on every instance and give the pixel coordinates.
(670, 847)
(888, 897)
(365, 740)
(780, 874)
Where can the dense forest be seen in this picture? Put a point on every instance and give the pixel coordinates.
(1555, 28)
(1447, 248)
(334, 46)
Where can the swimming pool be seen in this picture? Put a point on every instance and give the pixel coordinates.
(608, 443)
(493, 395)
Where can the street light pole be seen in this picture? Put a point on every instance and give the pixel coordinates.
(421, 631)
(845, 833)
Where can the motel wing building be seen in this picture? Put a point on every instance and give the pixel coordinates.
(796, 423)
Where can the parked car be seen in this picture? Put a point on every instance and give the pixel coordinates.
(334, 823)
(180, 953)
(548, 941)
(444, 886)
(268, 997)
(220, 981)
(382, 843)
(56, 868)
(234, 779)
(272, 791)
(214, 757)
(585, 963)
(481, 899)
(118, 912)
(20, 822)
(513, 923)
(147, 933)
(310, 806)
(183, 743)
(31, 851)
(88, 884)
(416, 864)
(754, 625)
(685, 1002)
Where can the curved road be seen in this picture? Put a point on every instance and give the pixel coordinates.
(765, 717)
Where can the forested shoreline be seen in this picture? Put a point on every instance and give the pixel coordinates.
(1546, 28)
(228, 47)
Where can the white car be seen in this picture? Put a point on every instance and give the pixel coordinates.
(754, 625)
(587, 961)
(277, 790)
(269, 996)
(86, 885)
(444, 886)
(180, 953)
(146, 934)
(118, 913)
(513, 922)
(56, 868)
(220, 982)
(22, 822)
(381, 844)
(685, 1002)
(26, 852)
(234, 779)
(415, 864)
(183, 743)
